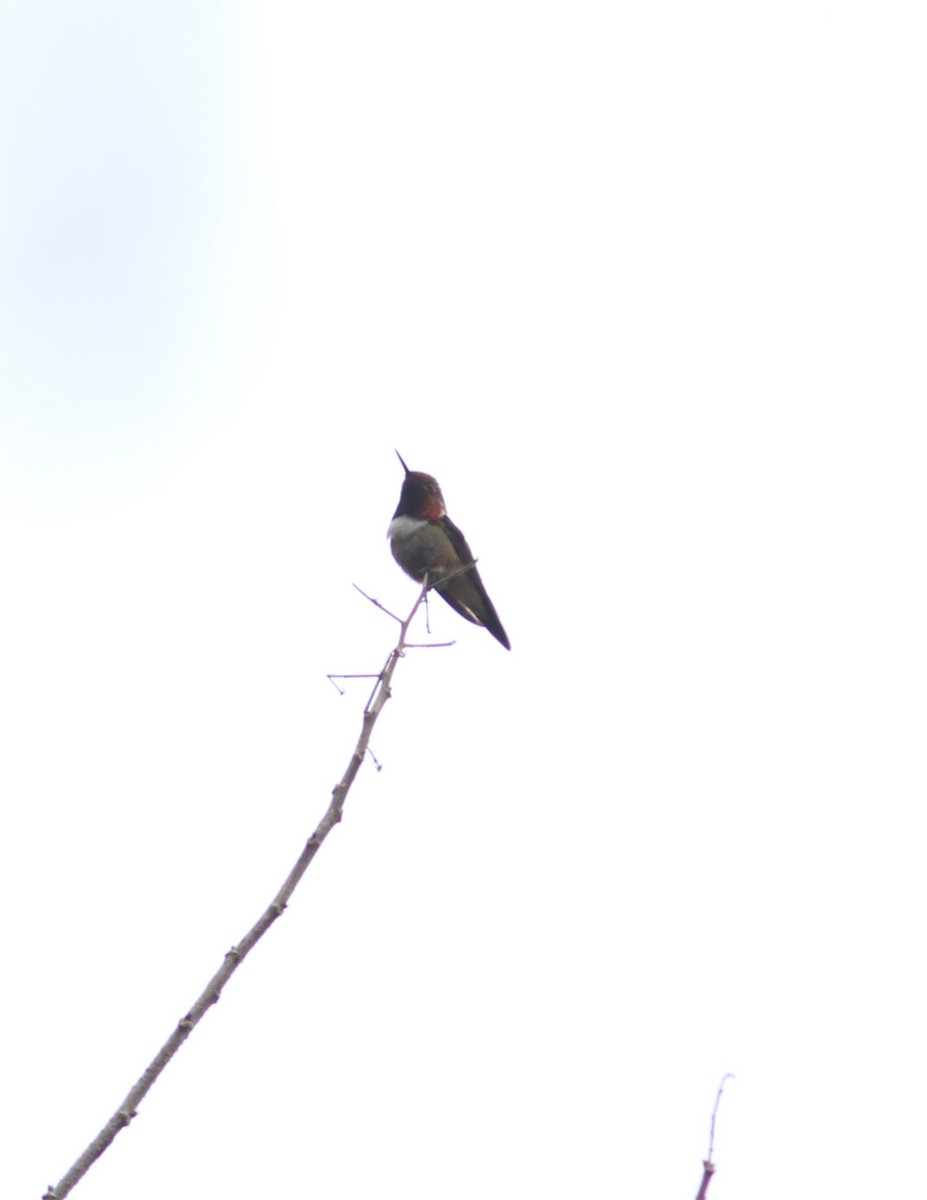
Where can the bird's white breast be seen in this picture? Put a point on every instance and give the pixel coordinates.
(404, 527)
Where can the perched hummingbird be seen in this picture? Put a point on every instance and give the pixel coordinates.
(428, 545)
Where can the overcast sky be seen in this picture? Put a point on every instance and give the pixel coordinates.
(643, 286)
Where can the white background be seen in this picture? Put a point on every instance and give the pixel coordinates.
(643, 285)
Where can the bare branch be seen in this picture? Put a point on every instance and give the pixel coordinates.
(234, 958)
(714, 1113)
(366, 675)
(708, 1166)
(376, 603)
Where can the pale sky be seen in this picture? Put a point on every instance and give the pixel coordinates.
(643, 286)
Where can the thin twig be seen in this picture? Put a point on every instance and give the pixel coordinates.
(382, 607)
(714, 1113)
(234, 958)
(367, 675)
(708, 1166)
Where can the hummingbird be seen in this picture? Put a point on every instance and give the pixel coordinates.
(431, 549)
